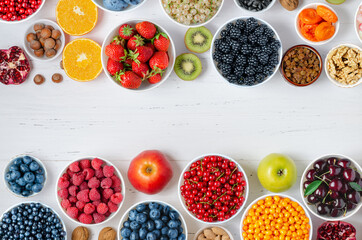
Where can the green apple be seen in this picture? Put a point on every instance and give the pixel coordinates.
(335, 1)
(277, 172)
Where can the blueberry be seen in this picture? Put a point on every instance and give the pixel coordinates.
(164, 238)
(173, 215)
(39, 179)
(134, 225)
(173, 224)
(24, 168)
(8, 177)
(151, 236)
(157, 233)
(21, 181)
(115, 5)
(14, 167)
(18, 161)
(126, 232)
(15, 175)
(172, 233)
(29, 186)
(34, 166)
(27, 159)
(134, 236)
(181, 237)
(29, 177)
(155, 214)
(150, 225)
(165, 219)
(40, 171)
(133, 2)
(142, 232)
(26, 193)
(158, 224)
(132, 214)
(141, 217)
(153, 205)
(141, 207)
(126, 224)
(15, 189)
(164, 230)
(37, 187)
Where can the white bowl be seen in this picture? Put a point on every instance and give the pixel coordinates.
(145, 85)
(312, 207)
(130, 8)
(327, 71)
(6, 169)
(30, 51)
(125, 216)
(245, 193)
(314, 5)
(217, 36)
(356, 28)
(261, 11)
(246, 212)
(192, 25)
(116, 172)
(26, 19)
(202, 229)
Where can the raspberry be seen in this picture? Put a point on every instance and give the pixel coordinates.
(80, 205)
(66, 176)
(83, 186)
(88, 173)
(107, 193)
(96, 203)
(107, 214)
(72, 199)
(70, 173)
(117, 189)
(99, 173)
(74, 167)
(85, 218)
(89, 208)
(97, 163)
(117, 198)
(108, 171)
(85, 163)
(93, 183)
(112, 207)
(116, 182)
(63, 193)
(77, 179)
(104, 200)
(73, 190)
(102, 208)
(83, 195)
(63, 183)
(98, 217)
(65, 203)
(106, 183)
(94, 194)
(73, 212)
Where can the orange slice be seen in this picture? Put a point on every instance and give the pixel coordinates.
(82, 59)
(76, 17)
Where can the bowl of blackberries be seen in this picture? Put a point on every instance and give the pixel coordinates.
(246, 51)
(331, 187)
(152, 220)
(255, 5)
(25, 176)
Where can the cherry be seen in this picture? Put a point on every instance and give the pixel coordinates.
(320, 166)
(336, 212)
(339, 203)
(332, 160)
(311, 175)
(322, 209)
(354, 197)
(335, 170)
(306, 184)
(336, 185)
(312, 199)
(349, 174)
(345, 163)
(321, 191)
(351, 206)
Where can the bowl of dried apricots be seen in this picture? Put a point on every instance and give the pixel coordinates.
(317, 23)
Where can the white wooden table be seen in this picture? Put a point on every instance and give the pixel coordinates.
(61, 122)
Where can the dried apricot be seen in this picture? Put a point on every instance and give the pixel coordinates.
(324, 31)
(327, 14)
(308, 31)
(310, 16)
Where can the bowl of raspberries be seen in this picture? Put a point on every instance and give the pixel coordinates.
(138, 55)
(246, 51)
(116, 6)
(90, 191)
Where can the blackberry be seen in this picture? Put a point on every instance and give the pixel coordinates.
(251, 24)
(229, 26)
(259, 77)
(224, 33)
(235, 33)
(235, 45)
(241, 60)
(253, 39)
(241, 81)
(217, 56)
(224, 68)
(259, 31)
(256, 51)
(246, 49)
(266, 49)
(253, 61)
(240, 24)
(224, 47)
(239, 70)
(275, 45)
(262, 40)
(243, 39)
(232, 78)
(268, 70)
(273, 60)
(250, 71)
(227, 58)
(263, 58)
(217, 43)
(259, 68)
(268, 32)
(249, 81)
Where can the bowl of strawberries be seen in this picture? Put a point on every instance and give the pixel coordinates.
(138, 55)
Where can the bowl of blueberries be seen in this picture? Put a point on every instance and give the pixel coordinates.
(246, 51)
(255, 5)
(25, 176)
(152, 220)
(32, 220)
(116, 6)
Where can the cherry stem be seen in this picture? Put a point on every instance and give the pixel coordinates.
(321, 179)
(324, 199)
(219, 197)
(233, 171)
(217, 179)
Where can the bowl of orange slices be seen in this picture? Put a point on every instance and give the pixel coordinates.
(317, 23)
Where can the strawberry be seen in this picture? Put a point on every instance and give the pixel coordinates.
(116, 52)
(141, 69)
(161, 42)
(128, 62)
(146, 29)
(126, 31)
(150, 45)
(135, 42)
(142, 54)
(129, 79)
(155, 78)
(114, 67)
(159, 60)
(118, 41)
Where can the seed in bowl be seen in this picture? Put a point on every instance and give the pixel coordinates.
(275, 216)
(246, 52)
(254, 5)
(214, 233)
(213, 189)
(190, 12)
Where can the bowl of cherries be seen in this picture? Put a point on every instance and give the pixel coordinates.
(331, 187)
(213, 188)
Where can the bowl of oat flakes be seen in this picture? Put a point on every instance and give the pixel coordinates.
(343, 65)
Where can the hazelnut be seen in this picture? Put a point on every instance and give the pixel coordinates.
(61, 64)
(49, 43)
(80, 233)
(56, 34)
(51, 28)
(45, 33)
(38, 35)
(107, 233)
(58, 44)
(57, 78)
(35, 44)
(38, 27)
(50, 53)
(39, 52)
(39, 79)
(42, 41)
(30, 37)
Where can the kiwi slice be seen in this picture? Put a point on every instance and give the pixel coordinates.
(188, 66)
(198, 39)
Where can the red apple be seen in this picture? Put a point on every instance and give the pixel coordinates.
(150, 171)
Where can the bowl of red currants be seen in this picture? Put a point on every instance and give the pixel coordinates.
(331, 187)
(213, 188)
(12, 11)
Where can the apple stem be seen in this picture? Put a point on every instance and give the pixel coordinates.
(148, 170)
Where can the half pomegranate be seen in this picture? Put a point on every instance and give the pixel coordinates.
(14, 66)
(336, 230)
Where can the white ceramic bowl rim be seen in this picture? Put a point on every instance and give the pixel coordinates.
(245, 193)
(26, 19)
(282, 196)
(122, 184)
(261, 11)
(41, 164)
(126, 10)
(348, 214)
(217, 36)
(356, 23)
(219, 226)
(125, 215)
